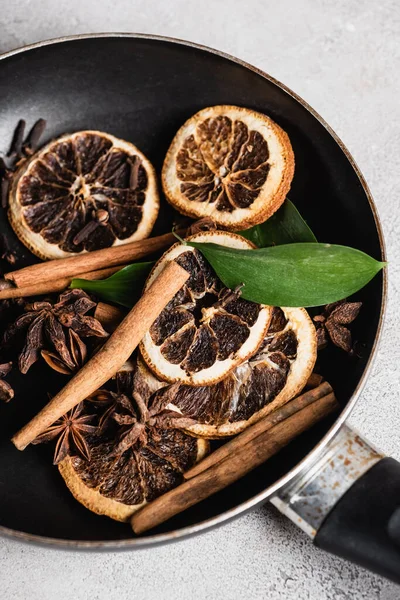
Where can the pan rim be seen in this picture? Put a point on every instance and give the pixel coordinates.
(309, 459)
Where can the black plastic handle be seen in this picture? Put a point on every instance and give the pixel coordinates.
(364, 525)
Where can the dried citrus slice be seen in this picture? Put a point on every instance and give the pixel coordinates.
(276, 373)
(138, 453)
(81, 192)
(229, 163)
(206, 330)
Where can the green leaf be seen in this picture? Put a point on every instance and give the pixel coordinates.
(124, 287)
(309, 274)
(286, 226)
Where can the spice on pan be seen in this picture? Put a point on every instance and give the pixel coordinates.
(77, 266)
(204, 224)
(253, 453)
(5, 178)
(15, 150)
(32, 141)
(71, 430)
(55, 332)
(86, 203)
(331, 324)
(8, 290)
(110, 357)
(5, 251)
(135, 419)
(100, 219)
(121, 443)
(280, 414)
(6, 391)
(19, 151)
(138, 452)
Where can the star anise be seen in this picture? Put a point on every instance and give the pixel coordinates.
(129, 408)
(70, 430)
(135, 419)
(6, 391)
(55, 332)
(332, 324)
(107, 402)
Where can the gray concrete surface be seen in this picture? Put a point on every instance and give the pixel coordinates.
(343, 57)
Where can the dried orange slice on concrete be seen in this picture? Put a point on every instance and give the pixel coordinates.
(275, 374)
(81, 192)
(206, 330)
(232, 164)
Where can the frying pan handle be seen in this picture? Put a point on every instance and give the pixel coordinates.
(349, 504)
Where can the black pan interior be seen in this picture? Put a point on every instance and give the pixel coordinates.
(143, 90)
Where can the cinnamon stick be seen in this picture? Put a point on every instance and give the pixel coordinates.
(269, 421)
(253, 454)
(314, 381)
(109, 316)
(106, 362)
(89, 261)
(57, 285)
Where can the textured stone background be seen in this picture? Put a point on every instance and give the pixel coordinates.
(343, 57)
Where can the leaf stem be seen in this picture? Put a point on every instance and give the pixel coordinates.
(178, 237)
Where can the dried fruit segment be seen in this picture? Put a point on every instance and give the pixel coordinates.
(271, 377)
(229, 163)
(82, 192)
(206, 330)
(137, 454)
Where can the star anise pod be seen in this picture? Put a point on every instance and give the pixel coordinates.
(107, 402)
(6, 391)
(129, 408)
(77, 352)
(332, 324)
(55, 331)
(70, 430)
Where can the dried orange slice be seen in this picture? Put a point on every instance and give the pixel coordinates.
(276, 373)
(229, 163)
(138, 454)
(119, 486)
(206, 330)
(81, 192)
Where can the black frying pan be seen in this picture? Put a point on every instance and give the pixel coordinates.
(143, 88)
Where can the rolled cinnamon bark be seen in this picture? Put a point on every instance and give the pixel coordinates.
(57, 285)
(88, 261)
(109, 316)
(269, 421)
(314, 381)
(250, 456)
(106, 362)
